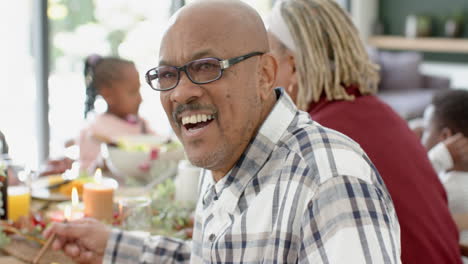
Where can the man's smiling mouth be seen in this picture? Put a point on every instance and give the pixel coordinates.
(196, 121)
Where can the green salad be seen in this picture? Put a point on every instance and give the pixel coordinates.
(127, 145)
(169, 217)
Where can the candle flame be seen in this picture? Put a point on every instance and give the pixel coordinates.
(67, 212)
(98, 176)
(75, 199)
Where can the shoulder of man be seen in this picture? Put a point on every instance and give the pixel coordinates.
(326, 152)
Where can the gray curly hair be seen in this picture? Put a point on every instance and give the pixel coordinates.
(329, 52)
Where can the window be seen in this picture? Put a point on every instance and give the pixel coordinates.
(17, 79)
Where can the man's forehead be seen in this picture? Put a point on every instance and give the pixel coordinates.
(181, 48)
(169, 58)
(227, 28)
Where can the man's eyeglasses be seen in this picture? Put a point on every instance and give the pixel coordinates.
(201, 71)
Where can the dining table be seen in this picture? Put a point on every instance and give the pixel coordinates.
(22, 248)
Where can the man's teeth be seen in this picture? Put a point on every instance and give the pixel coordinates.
(193, 119)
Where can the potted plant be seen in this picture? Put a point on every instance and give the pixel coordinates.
(453, 25)
(418, 26)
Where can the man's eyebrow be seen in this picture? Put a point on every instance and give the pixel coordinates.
(198, 55)
(162, 63)
(202, 54)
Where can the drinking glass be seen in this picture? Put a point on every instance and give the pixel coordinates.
(135, 213)
(19, 201)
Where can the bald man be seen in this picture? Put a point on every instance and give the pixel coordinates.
(276, 187)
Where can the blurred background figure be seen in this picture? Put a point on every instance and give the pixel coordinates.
(325, 68)
(446, 128)
(117, 81)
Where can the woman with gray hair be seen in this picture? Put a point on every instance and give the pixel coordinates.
(324, 67)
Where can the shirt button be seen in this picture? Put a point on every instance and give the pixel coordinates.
(212, 237)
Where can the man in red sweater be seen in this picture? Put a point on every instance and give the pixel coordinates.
(324, 67)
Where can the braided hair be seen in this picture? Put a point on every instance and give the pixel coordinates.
(329, 53)
(98, 72)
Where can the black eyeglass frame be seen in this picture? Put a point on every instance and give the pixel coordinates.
(224, 64)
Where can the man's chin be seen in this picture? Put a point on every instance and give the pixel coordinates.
(199, 161)
(207, 159)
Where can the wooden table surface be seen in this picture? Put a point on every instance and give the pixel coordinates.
(10, 260)
(20, 251)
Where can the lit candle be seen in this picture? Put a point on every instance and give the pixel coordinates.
(68, 211)
(75, 211)
(75, 199)
(98, 198)
(98, 176)
(67, 214)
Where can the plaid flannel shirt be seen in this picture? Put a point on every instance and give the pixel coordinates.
(300, 193)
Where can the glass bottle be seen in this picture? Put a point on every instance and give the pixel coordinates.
(3, 190)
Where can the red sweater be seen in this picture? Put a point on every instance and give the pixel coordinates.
(428, 233)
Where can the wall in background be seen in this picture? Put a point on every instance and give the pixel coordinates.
(457, 72)
(393, 13)
(364, 14)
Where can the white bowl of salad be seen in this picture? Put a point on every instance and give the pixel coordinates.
(139, 159)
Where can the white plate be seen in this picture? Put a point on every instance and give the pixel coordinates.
(39, 189)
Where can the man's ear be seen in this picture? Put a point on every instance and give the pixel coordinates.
(446, 133)
(268, 71)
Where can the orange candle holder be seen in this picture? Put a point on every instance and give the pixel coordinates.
(98, 199)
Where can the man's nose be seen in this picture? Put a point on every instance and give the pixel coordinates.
(186, 91)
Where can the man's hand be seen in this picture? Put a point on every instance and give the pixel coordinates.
(457, 145)
(83, 240)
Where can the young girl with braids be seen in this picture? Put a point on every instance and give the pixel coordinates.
(116, 81)
(323, 65)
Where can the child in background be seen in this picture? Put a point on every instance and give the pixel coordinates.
(445, 123)
(449, 153)
(446, 127)
(117, 81)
